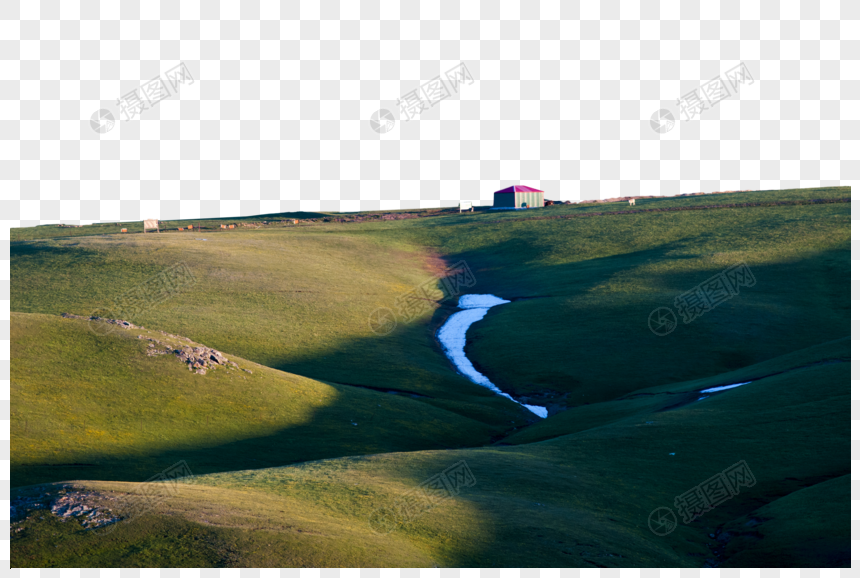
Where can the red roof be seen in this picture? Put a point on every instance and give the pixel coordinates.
(517, 189)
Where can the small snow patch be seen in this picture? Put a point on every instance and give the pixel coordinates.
(723, 387)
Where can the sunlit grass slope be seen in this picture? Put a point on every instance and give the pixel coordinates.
(90, 406)
(300, 299)
(628, 434)
(292, 300)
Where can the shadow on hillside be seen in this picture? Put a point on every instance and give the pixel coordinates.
(551, 347)
(43, 249)
(793, 305)
(552, 344)
(391, 353)
(328, 433)
(355, 421)
(586, 499)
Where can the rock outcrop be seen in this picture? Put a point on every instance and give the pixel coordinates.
(82, 505)
(88, 507)
(198, 359)
(119, 322)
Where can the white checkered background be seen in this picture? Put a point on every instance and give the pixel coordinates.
(559, 96)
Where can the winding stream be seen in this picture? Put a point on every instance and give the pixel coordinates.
(452, 335)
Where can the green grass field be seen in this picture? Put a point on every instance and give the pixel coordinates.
(102, 402)
(282, 477)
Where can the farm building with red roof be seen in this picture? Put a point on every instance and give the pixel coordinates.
(518, 197)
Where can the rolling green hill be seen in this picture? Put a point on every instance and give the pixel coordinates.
(284, 478)
(578, 329)
(98, 407)
(805, 528)
(663, 398)
(581, 499)
(299, 299)
(294, 300)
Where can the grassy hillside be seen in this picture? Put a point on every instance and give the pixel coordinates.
(136, 227)
(482, 214)
(670, 396)
(577, 331)
(98, 407)
(299, 301)
(277, 221)
(285, 478)
(809, 528)
(582, 499)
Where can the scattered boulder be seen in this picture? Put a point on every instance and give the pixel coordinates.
(199, 359)
(20, 507)
(68, 503)
(119, 322)
(85, 507)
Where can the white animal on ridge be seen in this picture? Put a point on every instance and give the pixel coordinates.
(631, 201)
